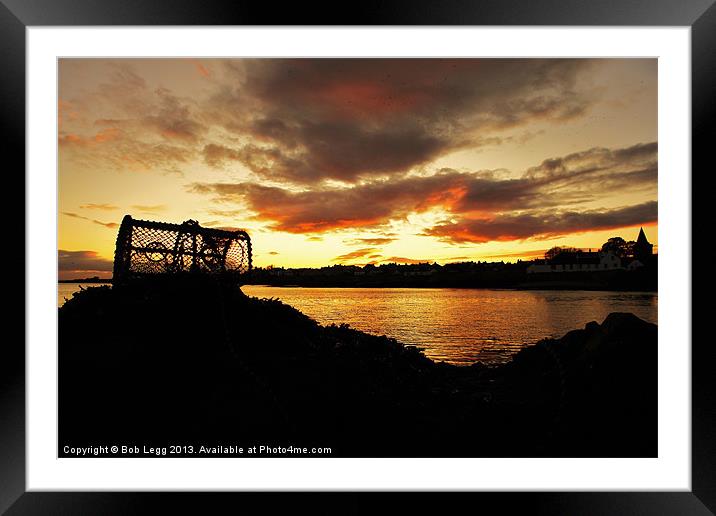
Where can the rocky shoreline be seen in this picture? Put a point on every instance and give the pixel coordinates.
(189, 363)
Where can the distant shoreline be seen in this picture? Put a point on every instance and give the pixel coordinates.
(469, 275)
(536, 286)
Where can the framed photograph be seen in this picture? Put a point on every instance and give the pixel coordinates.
(441, 250)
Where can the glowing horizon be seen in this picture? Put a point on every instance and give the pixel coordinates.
(354, 161)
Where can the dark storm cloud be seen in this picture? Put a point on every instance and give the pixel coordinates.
(642, 155)
(566, 182)
(332, 152)
(543, 224)
(575, 178)
(303, 121)
(498, 91)
(82, 261)
(315, 119)
(334, 208)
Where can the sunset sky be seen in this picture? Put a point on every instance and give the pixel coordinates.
(356, 161)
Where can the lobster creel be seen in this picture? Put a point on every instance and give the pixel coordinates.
(150, 249)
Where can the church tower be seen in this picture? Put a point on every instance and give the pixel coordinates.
(642, 248)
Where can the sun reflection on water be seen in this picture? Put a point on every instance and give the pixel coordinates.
(462, 326)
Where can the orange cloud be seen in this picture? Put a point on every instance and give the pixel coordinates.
(107, 135)
(65, 112)
(360, 253)
(546, 200)
(203, 71)
(71, 139)
(367, 98)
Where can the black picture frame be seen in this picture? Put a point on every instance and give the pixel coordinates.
(700, 15)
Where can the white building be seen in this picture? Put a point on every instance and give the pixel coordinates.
(579, 261)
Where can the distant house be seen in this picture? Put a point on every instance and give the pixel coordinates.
(578, 261)
(573, 261)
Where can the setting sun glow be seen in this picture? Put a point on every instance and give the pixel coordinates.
(356, 161)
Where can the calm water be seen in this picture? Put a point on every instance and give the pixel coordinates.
(455, 325)
(461, 325)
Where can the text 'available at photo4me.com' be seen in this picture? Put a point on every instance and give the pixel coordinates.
(194, 450)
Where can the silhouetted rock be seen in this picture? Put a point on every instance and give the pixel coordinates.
(188, 362)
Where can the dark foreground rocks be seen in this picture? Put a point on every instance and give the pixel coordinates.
(197, 365)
